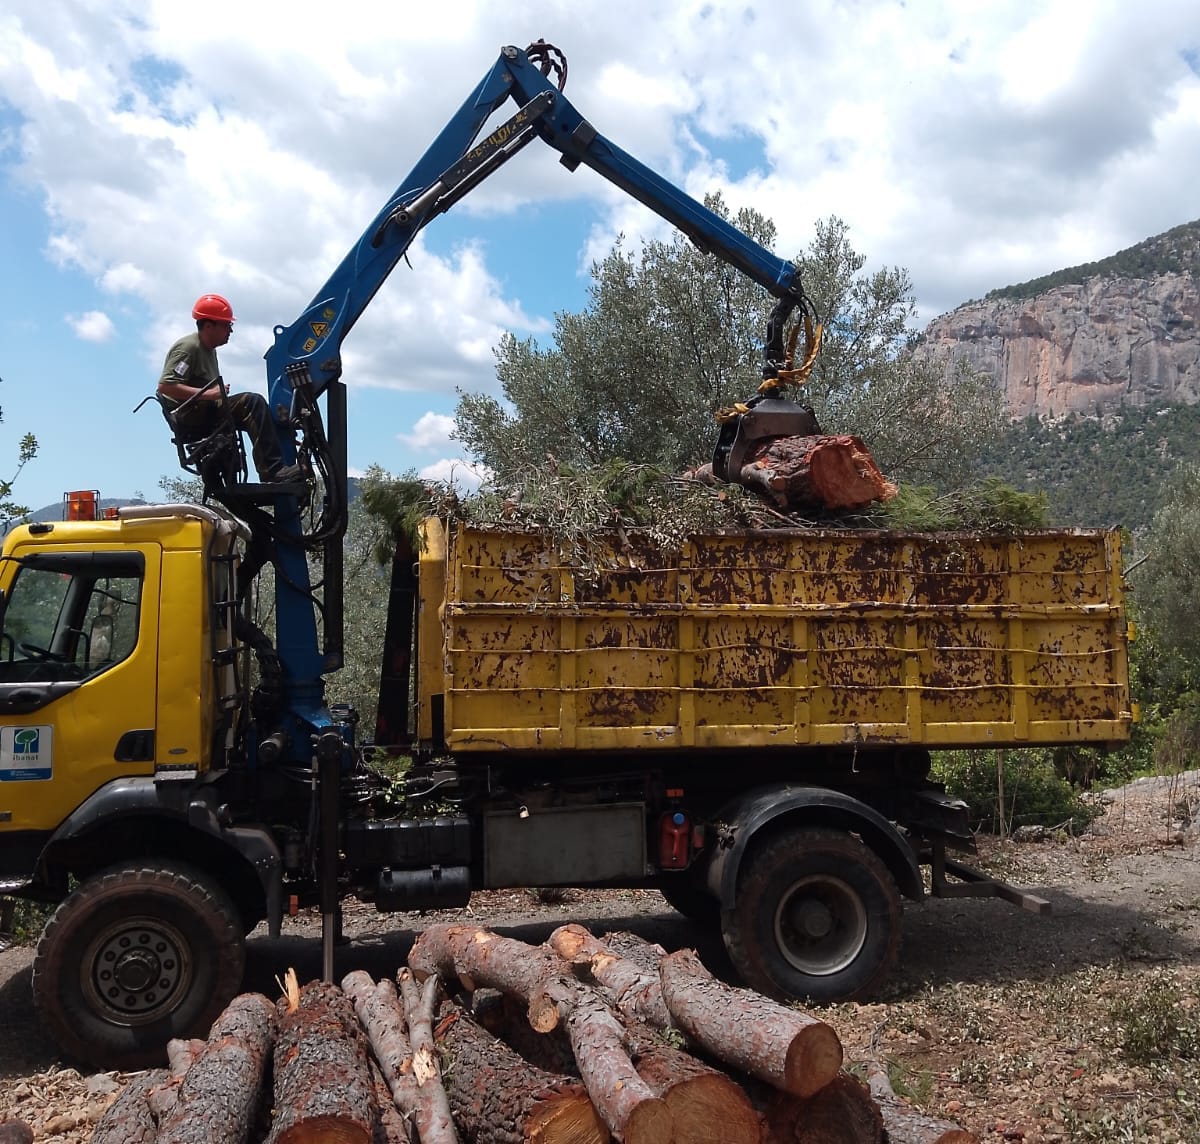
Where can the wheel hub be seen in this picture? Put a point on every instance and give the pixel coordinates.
(820, 925)
(137, 970)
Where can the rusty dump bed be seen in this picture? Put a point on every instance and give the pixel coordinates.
(774, 638)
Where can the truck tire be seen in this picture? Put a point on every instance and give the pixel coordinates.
(818, 917)
(134, 957)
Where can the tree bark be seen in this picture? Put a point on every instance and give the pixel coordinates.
(633, 988)
(542, 980)
(219, 1093)
(390, 1127)
(784, 1047)
(905, 1124)
(381, 1014)
(505, 1019)
(699, 1096)
(129, 1119)
(500, 1098)
(843, 1112)
(323, 1088)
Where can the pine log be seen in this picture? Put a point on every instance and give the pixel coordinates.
(699, 1096)
(636, 992)
(219, 1093)
(323, 1088)
(128, 1120)
(843, 1112)
(905, 1124)
(390, 1127)
(381, 1014)
(504, 1017)
(784, 1047)
(543, 981)
(500, 1098)
(418, 1015)
(477, 957)
(163, 1096)
(18, 1132)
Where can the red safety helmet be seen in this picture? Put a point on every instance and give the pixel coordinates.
(212, 307)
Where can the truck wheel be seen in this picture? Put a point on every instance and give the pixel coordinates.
(134, 957)
(817, 917)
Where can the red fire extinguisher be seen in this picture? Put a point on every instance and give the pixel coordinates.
(674, 840)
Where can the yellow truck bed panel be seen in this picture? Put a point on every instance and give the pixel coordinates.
(779, 638)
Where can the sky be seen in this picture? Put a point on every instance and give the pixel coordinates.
(152, 151)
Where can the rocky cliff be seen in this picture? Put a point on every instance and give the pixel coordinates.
(1086, 346)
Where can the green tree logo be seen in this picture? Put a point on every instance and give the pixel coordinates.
(25, 741)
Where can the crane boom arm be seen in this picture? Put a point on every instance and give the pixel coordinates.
(452, 166)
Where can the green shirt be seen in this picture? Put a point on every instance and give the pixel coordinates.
(190, 363)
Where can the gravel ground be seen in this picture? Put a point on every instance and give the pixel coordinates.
(1083, 1025)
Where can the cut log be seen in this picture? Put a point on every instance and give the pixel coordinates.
(504, 1017)
(391, 1127)
(699, 1097)
(843, 1112)
(500, 1098)
(128, 1120)
(18, 1132)
(381, 1014)
(163, 1097)
(323, 1088)
(220, 1090)
(478, 957)
(905, 1124)
(435, 1120)
(788, 1049)
(818, 472)
(541, 979)
(635, 990)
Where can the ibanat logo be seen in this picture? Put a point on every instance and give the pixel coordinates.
(27, 741)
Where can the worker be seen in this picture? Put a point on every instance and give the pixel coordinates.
(191, 366)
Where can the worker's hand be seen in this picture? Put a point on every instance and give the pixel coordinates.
(215, 391)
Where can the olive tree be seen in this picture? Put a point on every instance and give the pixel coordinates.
(670, 334)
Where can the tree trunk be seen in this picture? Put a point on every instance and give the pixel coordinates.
(219, 1093)
(698, 1096)
(784, 1047)
(505, 1019)
(905, 1124)
(381, 1014)
(843, 1112)
(391, 1127)
(129, 1119)
(634, 988)
(500, 1098)
(815, 472)
(543, 981)
(323, 1088)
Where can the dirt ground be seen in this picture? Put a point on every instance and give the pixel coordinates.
(1079, 1026)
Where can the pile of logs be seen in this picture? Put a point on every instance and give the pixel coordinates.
(485, 1038)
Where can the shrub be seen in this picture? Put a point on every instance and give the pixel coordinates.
(1034, 793)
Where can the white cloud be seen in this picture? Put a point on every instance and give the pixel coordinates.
(94, 326)
(431, 431)
(178, 152)
(464, 475)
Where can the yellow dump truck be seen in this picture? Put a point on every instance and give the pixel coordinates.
(743, 723)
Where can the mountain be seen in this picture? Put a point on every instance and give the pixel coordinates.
(1123, 331)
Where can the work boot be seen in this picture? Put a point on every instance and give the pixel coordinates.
(285, 475)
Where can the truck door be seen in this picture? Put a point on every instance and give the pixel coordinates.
(78, 652)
